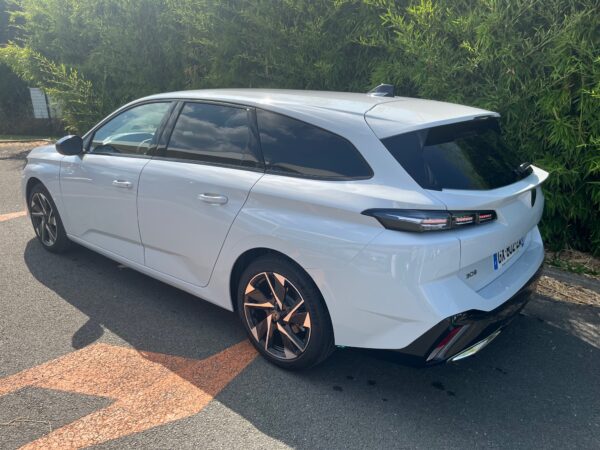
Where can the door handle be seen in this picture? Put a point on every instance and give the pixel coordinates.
(213, 199)
(122, 184)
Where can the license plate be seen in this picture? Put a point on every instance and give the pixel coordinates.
(501, 257)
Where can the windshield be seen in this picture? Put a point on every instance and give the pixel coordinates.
(465, 155)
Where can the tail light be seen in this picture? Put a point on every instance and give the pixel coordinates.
(422, 220)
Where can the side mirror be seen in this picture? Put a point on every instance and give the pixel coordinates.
(69, 145)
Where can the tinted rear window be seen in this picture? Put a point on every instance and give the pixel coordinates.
(212, 133)
(465, 155)
(293, 147)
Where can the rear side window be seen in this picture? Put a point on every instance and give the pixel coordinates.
(466, 155)
(292, 147)
(213, 133)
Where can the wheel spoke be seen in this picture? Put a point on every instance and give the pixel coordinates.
(260, 329)
(47, 206)
(51, 233)
(35, 204)
(301, 319)
(272, 284)
(306, 323)
(256, 295)
(287, 348)
(289, 315)
(269, 334)
(43, 231)
(291, 337)
(280, 286)
(265, 305)
(40, 202)
(290, 351)
(36, 213)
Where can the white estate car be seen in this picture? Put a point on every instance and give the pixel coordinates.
(322, 218)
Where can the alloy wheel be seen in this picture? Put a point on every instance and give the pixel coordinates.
(277, 316)
(44, 219)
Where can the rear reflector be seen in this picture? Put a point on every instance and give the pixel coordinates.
(439, 351)
(423, 220)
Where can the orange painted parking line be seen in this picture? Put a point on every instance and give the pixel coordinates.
(149, 389)
(14, 215)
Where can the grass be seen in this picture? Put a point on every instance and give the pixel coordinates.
(573, 261)
(570, 267)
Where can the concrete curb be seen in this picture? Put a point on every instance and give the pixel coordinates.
(25, 141)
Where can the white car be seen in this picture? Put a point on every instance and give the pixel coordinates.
(321, 218)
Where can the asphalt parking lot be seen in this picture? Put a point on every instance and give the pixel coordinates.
(94, 354)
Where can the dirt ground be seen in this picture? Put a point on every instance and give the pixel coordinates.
(558, 290)
(10, 148)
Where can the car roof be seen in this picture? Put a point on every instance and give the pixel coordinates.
(326, 100)
(385, 115)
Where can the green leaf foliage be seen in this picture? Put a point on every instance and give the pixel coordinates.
(534, 61)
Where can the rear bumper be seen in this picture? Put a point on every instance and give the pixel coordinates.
(470, 330)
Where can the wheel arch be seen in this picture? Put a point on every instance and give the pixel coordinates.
(250, 255)
(31, 182)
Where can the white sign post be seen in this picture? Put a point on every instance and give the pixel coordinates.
(39, 103)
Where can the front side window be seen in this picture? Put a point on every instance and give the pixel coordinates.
(469, 155)
(214, 134)
(293, 147)
(132, 132)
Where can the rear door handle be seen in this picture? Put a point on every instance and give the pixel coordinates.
(213, 199)
(122, 184)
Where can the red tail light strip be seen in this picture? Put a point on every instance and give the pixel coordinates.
(424, 220)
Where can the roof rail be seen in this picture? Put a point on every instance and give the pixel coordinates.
(383, 90)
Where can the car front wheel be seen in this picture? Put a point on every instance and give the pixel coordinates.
(46, 221)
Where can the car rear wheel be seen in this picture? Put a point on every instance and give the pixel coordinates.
(46, 221)
(284, 313)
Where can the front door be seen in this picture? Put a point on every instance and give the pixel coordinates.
(99, 187)
(189, 197)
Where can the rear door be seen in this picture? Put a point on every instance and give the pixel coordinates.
(468, 167)
(190, 194)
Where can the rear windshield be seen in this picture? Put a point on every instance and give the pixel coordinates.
(464, 155)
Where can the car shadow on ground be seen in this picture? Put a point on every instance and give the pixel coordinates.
(535, 385)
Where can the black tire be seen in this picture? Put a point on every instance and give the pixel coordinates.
(319, 344)
(57, 242)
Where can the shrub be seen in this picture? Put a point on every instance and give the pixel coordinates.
(534, 61)
(537, 63)
(67, 86)
(15, 103)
